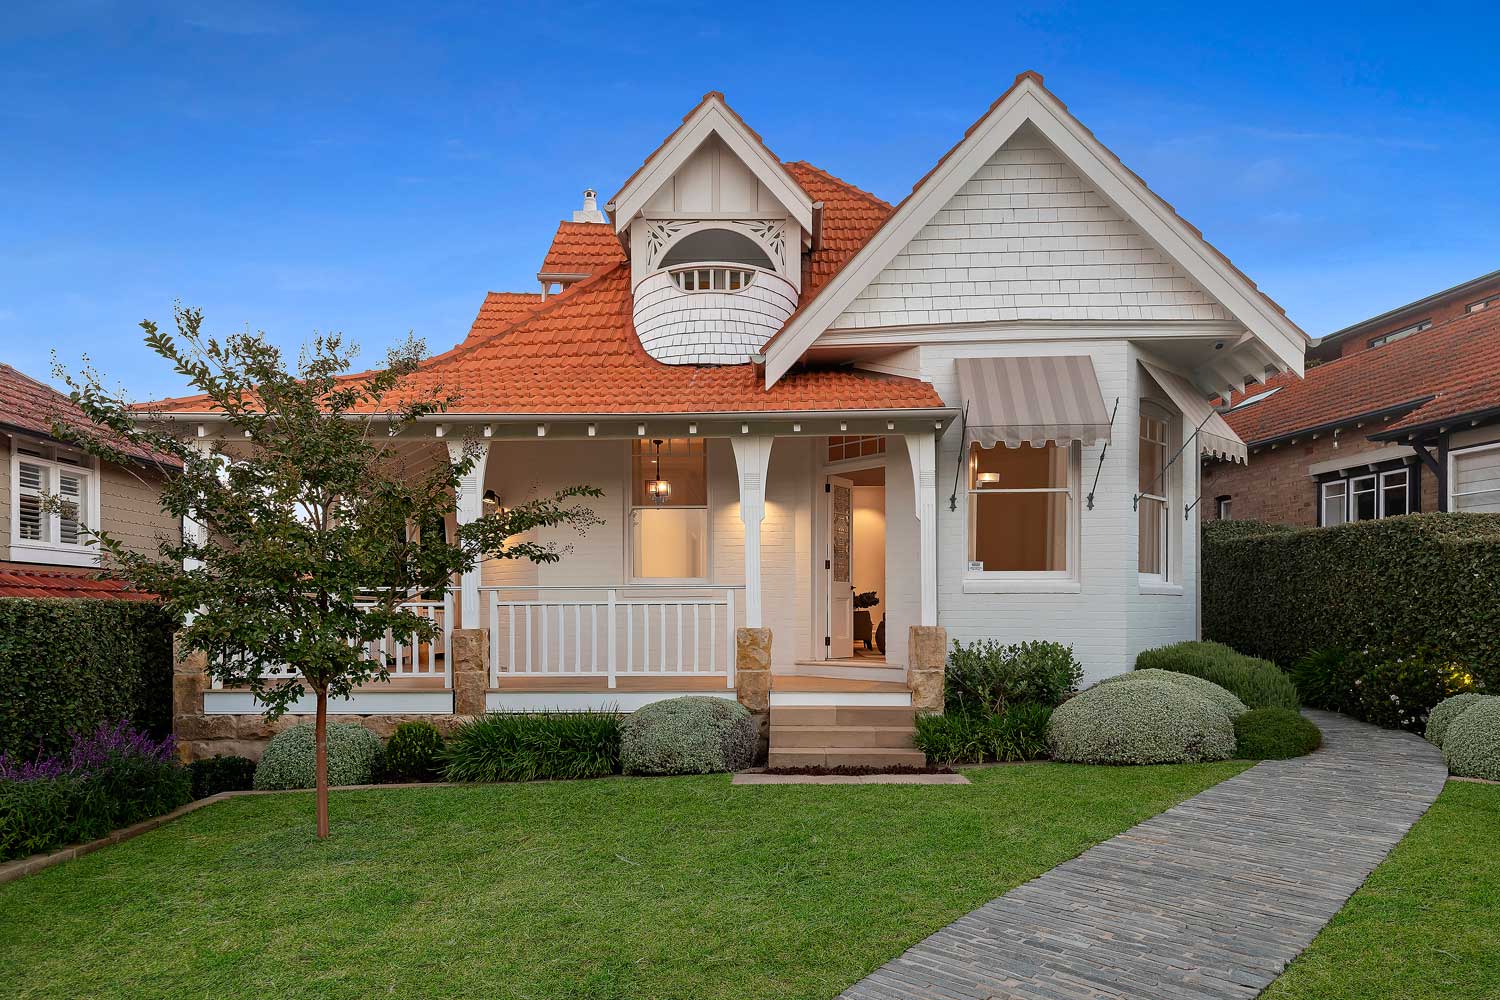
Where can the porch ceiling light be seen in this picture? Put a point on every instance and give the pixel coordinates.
(657, 488)
(492, 503)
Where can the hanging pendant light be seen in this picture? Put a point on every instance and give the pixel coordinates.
(492, 503)
(657, 488)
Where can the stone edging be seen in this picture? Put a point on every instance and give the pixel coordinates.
(21, 867)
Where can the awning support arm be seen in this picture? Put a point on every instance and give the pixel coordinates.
(1102, 452)
(958, 467)
(1135, 501)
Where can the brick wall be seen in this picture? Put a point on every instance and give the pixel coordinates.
(1275, 486)
(1438, 312)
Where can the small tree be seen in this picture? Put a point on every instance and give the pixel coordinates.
(316, 522)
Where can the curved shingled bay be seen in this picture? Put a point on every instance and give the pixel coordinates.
(1209, 900)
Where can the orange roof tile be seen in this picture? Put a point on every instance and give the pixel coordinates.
(30, 406)
(850, 218)
(1451, 369)
(500, 310)
(582, 248)
(27, 581)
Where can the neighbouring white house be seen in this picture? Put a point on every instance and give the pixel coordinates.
(986, 404)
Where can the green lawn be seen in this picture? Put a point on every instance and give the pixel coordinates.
(1426, 926)
(638, 888)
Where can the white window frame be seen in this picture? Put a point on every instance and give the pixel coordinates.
(631, 507)
(1030, 581)
(1401, 334)
(1405, 473)
(1453, 456)
(1224, 509)
(86, 552)
(1151, 410)
(1349, 512)
(1323, 498)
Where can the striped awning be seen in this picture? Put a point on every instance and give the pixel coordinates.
(1032, 400)
(1215, 436)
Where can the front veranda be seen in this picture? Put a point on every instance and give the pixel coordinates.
(726, 562)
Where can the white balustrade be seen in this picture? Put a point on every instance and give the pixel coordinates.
(611, 632)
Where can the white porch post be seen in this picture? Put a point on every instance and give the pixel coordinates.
(470, 508)
(922, 449)
(752, 456)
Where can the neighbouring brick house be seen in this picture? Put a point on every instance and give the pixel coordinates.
(1401, 414)
(47, 554)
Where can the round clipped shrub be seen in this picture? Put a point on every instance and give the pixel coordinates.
(1147, 721)
(1472, 744)
(1208, 690)
(414, 752)
(1445, 712)
(692, 735)
(353, 757)
(1274, 734)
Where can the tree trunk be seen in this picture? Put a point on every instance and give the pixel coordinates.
(320, 757)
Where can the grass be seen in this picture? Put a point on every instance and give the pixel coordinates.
(1426, 926)
(599, 890)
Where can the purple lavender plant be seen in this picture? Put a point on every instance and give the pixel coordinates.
(90, 752)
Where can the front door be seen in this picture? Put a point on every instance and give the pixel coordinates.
(840, 570)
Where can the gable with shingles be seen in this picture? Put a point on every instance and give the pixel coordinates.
(1028, 237)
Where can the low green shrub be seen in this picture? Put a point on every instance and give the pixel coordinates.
(1326, 677)
(1257, 683)
(1398, 692)
(986, 677)
(691, 735)
(1472, 744)
(113, 777)
(1019, 733)
(1445, 712)
(414, 752)
(1208, 690)
(1148, 721)
(1274, 734)
(534, 746)
(213, 775)
(354, 757)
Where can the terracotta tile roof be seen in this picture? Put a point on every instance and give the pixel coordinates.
(579, 354)
(583, 248)
(500, 310)
(850, 218)
(30, 406)
(25, 580)
(1451, 369)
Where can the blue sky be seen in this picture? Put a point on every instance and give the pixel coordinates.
(376, 167)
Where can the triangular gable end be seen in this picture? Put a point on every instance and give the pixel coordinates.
(1028, 123)
(712, 118)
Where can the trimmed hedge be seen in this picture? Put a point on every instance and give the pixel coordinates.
(1472, 744)
(1207, 690)
(1425, 583)
(986, 677)
(289, 760)
(1274, 734)
(73, 665)
(690, 735)
(1258, 683)
(216, 774)
(534, 746)
(1147, 721)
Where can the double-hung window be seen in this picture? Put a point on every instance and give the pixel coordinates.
(1395, 493)
(1364, 505)
(669, 510)
(45, 532)
(1021, 508)
(1154, 552)
(1335, 502)
(1366, 496)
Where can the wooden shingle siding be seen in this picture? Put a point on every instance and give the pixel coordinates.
(1028, 238)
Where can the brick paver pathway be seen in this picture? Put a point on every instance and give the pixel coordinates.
(1211, 899)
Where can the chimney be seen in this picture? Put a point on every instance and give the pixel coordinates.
(590, 211)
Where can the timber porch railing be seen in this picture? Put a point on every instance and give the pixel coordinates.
(611, 632)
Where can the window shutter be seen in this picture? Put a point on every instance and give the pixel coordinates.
(30, 520)
(70, 488)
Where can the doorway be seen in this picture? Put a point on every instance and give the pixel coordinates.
(854, 565)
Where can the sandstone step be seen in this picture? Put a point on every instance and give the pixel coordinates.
(792, 737)
(846, 757)
(842, 715)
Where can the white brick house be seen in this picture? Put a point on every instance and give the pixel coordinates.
(984, 405)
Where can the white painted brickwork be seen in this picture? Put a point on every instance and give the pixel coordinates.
(1028, 238)
(710, 328)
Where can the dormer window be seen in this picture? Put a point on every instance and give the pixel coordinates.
(712, 279)
(719, 246)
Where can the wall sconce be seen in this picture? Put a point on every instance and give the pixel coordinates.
(657, 488)
(983, 479)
